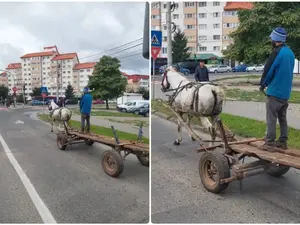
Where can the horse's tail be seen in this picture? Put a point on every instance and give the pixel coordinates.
(219, 97)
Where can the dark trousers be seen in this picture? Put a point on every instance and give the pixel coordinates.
(276, 109)
(85, 117)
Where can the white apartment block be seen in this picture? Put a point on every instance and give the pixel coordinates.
(200, 21)
(82, 71)
(14, 77)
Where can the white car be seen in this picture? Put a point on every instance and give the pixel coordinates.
(255, 68)
(219, 69)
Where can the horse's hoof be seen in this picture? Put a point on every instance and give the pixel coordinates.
(176, 142)
(51, 130)
(193, 139)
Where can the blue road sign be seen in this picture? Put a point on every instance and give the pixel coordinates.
(156, 38)
(44, 89)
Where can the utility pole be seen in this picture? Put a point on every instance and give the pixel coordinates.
(41, 68)
(169, 34)
(57, 81)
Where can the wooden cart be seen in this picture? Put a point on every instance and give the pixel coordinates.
(218, 169)
(112, 160)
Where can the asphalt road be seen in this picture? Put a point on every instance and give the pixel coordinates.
(41, 183)
(179, 197)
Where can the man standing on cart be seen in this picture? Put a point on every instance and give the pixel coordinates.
(85, 109)
(278, 78)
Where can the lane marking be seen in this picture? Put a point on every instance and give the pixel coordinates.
(19, 121)
(37, 201)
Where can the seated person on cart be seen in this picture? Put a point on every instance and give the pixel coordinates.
(85, 109)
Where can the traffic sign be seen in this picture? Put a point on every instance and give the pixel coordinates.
(156, 38)
(14, 89)
(154, 52)
(44, 89)
(44, 95)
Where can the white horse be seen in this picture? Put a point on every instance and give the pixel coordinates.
(59, 114)
(199, 99)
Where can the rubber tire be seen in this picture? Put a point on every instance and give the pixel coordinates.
(59, 143)
(124, 110)
(215, 71)
(228, 71)
(143, 160)
(276, 171)
(223, 170)
(136, 112)
(118, 161)
(186, 73)
(89, 142)
(146, 115)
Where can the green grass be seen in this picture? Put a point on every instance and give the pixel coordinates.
(256, 96)
(131, 122)
(241, 126)
(99, 130)
(238, 77)
(105, 113)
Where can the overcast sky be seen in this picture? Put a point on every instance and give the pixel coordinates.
(85, 28)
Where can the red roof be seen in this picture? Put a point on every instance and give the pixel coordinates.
(50, 47)
(135, 77)
(3, 74)
(37, 54)
(238, 5)
(65, 56)
(87, 65)
(14, 66)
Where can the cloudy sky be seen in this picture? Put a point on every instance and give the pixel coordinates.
(85, 28)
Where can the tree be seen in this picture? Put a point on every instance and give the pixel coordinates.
(69, 93)
(107, 81)
(179, 47)
(36, 92)
(3, 91)
(251, 39)
(144, 92)
(20, 98)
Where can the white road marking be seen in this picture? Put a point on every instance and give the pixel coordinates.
(19, 121)
(37, 201)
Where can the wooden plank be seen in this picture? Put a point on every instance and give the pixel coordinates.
(275, 157)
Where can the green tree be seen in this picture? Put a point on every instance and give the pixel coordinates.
(107, 81)
(69, 93)
(251, 42)
(36, 92)
(179, 47)
(144, 92)
(20, 98)
(3, 91)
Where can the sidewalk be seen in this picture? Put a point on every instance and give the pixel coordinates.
(257, 111)
(119, 126)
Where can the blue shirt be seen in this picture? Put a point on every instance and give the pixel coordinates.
(278, 73)
(86, 104)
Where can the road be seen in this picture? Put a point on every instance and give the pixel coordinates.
(179, 197)
(40, 183)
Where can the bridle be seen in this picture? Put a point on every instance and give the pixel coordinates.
(165, 88)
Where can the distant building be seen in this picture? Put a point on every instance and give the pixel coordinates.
(81, 74)
(14, 76)
(136, 81)
(3, 79)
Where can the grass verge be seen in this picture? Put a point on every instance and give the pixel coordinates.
(108, 113)
(131, 122)
(241, 126)
(238, 77)
(256, 96)
(99, 130)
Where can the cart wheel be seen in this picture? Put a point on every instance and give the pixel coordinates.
(213, 166)
(88, 142)
(276, 171)
(112, 163)
(144, 159)
(61, 142)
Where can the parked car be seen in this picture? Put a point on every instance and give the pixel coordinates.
(255, 68)
(185, 71)
(162, 69)
(131, 104)
(71, 101)
(219, 69)
(136, 110)
(144, 112)
(96, 102)
(37, 102)
(190, 65)
(239, 68)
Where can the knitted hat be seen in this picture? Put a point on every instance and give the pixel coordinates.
(86, 89)
(278, 35)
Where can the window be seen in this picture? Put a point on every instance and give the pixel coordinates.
(165, 6)
(155, 17)
(189, 16)
(230, 25)
(202, 48)
(226, 37)
(202, 38)
(216, 14)
(216, 25)
(175, 16)
(216, 3)
(216, 48)
(202, 15)
(189, 4)
(190, 27)
(202, 26)
(191, 49)
(88, 70)
(164, 50)
(216, 37)
(165, 38)
(202, 4)
(155, 5)
(230, 13)
(165, 27)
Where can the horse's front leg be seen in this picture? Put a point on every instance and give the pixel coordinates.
(52, 125)
(179, 130)
(188, 121)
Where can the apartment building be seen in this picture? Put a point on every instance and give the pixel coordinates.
(136, 81)
(81, 74)
(200, 21)
(3, 79)
(14, 76)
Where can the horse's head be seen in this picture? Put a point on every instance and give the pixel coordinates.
(165, 84)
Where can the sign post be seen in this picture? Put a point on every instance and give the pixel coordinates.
(156, 41)
(44, 91)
